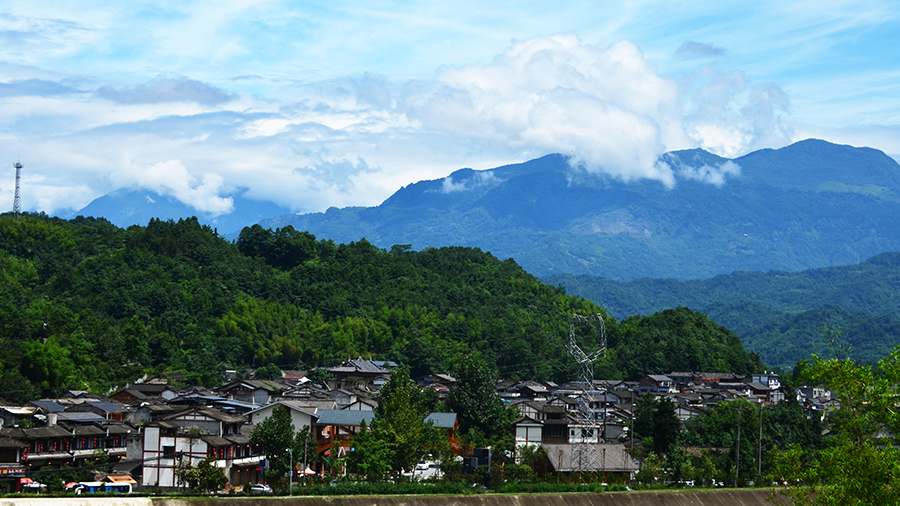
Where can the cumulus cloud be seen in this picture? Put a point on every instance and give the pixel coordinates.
(691, 50)
(172, 178)
(355, 140)
(166, 89)
(604, 106)
(729, 115)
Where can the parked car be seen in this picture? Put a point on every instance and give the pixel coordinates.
(260, 488)
(421, 466)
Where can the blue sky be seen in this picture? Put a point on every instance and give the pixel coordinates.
(319, 104)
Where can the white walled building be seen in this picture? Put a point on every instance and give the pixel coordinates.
(193, 435)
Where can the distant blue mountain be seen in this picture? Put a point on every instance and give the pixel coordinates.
(127, 207)
(808, 205)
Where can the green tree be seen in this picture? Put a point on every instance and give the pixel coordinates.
(651, 469)
(399, 421)
(205, 477)
(370, 457)
(268, 372)
(655, 418)
(320, 376)
(475, 401)
(859, 465)
(275, 435)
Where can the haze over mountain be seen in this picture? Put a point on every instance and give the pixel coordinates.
(810, 204)
(124, 208)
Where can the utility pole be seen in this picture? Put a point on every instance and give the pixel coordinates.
(737, 467)
(759, 448)
(291, 472)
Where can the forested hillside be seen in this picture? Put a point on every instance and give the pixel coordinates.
(84, 304)
(778, 314)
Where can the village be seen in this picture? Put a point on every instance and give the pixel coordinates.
(145, 430)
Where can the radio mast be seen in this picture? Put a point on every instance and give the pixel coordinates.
(17, 201)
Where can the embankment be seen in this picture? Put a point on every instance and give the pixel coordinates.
(704, 498)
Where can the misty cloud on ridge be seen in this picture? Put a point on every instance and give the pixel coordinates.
(172, 178)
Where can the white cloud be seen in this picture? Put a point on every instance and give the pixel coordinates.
(172, 178)
(480, 178)
(709, 174)
(729, 115)
(605, 107)
(310, 145)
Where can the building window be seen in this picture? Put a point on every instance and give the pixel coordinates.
(556, 432)
(169, 451)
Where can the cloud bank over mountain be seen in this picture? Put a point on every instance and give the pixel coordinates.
(316, 106)
(354, 140)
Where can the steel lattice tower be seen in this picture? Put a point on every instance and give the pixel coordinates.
(17, 201)
(584, 454)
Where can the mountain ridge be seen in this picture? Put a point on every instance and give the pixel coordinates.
(778, 314)
(808, 205)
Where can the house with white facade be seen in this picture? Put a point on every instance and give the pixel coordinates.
(192, 435)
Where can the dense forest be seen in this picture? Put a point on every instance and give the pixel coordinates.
(779, 314)
(87, 305)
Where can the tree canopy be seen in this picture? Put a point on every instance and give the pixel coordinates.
(86, 305)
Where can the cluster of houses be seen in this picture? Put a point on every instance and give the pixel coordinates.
(147, 429)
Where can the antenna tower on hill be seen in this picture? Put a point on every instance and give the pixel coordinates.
(17, 201)
(585, 453)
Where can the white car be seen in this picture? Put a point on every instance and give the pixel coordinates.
(260, 488)
(422, 466)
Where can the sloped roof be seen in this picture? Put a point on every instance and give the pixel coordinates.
(343, 417)
(10, 442)
(105, 406)
(120, 478)
(254, 384)
(295, 405)
(48, 406)
(216, 440)
(79, 417)
(361, 365)
(36, 432)
(215, 414)
(609, 457)
(89, 430)
(442, 420)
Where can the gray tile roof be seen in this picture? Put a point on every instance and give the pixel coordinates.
(610, 457)
(49, 406)
(343, 417)
(442, 420)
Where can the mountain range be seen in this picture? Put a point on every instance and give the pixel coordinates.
(780, 315)
(127, 206)
(811, 204)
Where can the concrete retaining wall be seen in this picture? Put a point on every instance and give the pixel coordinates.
(675, 498)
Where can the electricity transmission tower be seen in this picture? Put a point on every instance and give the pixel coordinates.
(585, 454)
(17, 201)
